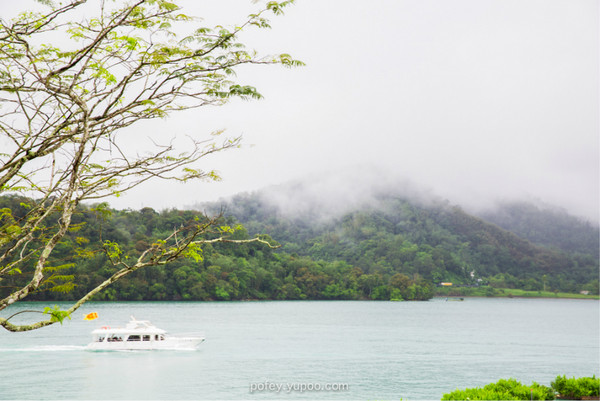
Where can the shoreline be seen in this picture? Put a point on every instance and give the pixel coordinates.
(488, 292)
(588, 298)
(438, 296)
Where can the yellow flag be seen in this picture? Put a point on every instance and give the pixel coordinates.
(91, 316)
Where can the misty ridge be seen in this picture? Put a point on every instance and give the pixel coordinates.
(329, 195)
(320, 198)
(319, 203)
(546, 225)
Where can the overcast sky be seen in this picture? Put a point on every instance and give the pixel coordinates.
(473, 99)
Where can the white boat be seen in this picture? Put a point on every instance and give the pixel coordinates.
(139, 335)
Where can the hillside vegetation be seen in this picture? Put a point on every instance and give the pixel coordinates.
(433, 240)
(393, 248)
(547, 226)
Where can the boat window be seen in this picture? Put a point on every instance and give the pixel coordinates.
(100, 339)
(115, 339)
(146, 338)
(134, 338)
(162, 338)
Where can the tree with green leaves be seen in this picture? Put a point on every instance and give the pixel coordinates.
(63, 113)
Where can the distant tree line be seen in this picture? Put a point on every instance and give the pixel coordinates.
(400, 252)
(436, 241)
(223, 272)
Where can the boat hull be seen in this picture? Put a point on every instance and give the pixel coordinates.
(140, 335)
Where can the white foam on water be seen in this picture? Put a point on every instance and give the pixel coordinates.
(67, 348)
(46, 348)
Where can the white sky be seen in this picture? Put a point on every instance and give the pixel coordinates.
(474, 99)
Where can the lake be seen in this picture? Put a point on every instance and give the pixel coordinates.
(307, 349)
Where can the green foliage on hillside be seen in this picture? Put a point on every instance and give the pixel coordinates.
(220, 271)
(395, 250)
(436, 241)
(550, 227)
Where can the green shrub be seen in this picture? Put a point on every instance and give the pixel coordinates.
(504, 389)
(576, 389)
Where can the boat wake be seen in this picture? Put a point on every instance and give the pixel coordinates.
(68, 348)
(46, 348)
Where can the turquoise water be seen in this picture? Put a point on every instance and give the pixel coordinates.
(346, 350)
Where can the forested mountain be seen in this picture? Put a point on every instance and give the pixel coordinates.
(387, 245)
(226, 271)
(548, 226)
(417, 235)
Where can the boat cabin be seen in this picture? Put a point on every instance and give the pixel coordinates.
(100, 338)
